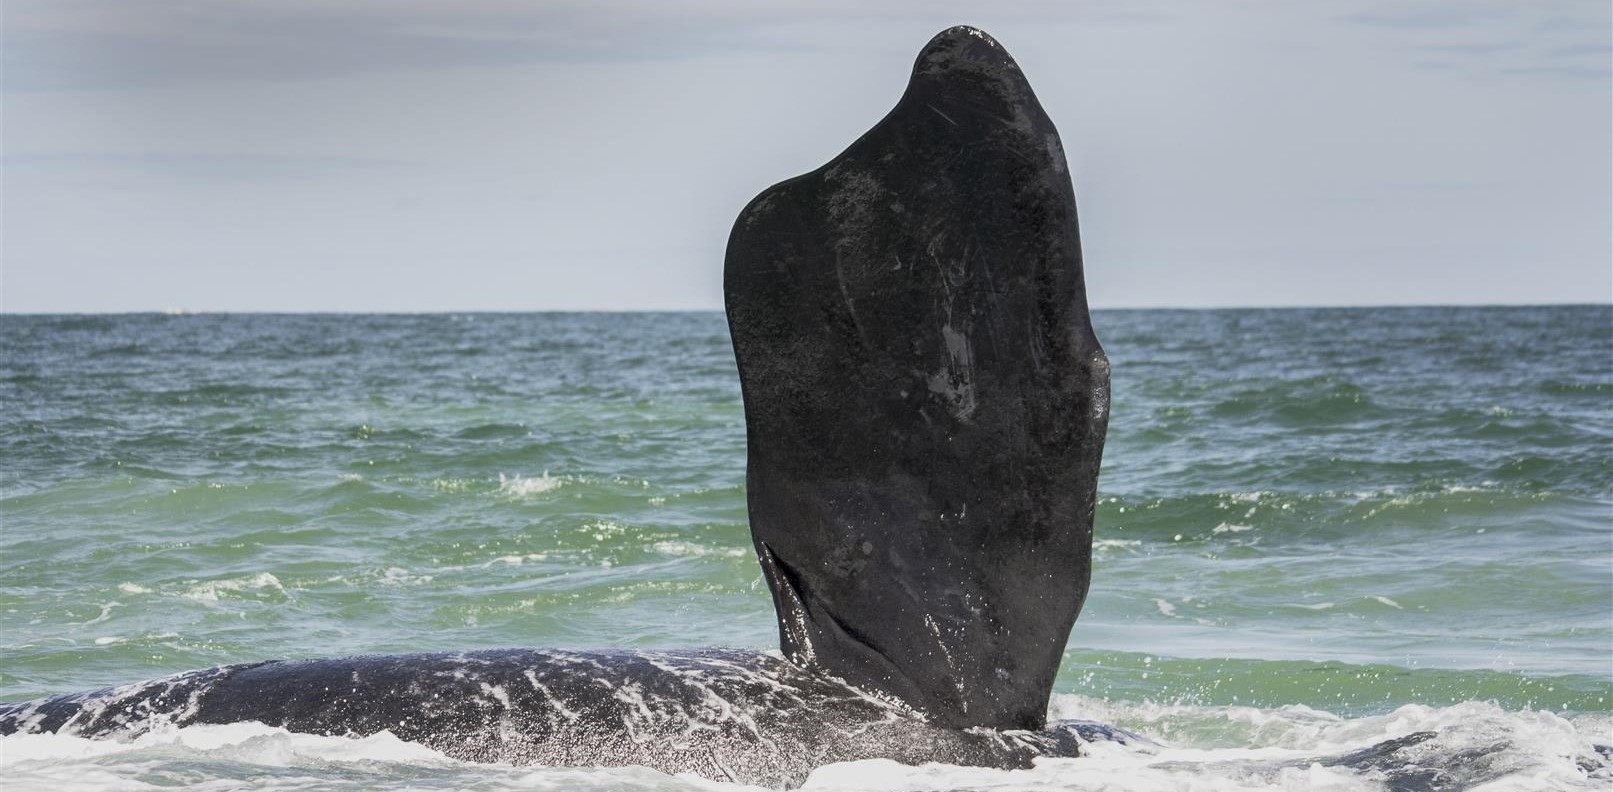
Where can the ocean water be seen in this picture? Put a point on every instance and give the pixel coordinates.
(1318, 529)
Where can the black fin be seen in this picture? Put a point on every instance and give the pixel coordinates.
(924, 397)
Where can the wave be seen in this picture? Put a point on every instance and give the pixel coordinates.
(1277, 515)
(1350, 688)
(524, 486)
(1190, 748)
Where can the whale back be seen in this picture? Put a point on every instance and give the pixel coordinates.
(728, 715)
(925, 400)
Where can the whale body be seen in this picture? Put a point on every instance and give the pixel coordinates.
(925, 407)
(730, 715)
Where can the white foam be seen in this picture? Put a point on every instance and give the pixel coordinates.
(1315, 606)
(209, 591)
(1524, 749)
(523, 486)
(106, 613)
(1201, 748)
(1108, 544)
(398, 576)
(1483, 486)
(681, 548)
(252, 743)
(1107, 770)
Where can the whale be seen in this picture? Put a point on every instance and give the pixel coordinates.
(724, 714)
(925, 407)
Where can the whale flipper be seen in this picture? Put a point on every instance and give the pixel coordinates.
(924, 397)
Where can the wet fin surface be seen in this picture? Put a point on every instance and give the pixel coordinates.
(925, 399)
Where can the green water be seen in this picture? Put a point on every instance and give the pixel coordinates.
(1346, 509)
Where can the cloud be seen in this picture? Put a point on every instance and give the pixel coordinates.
(1576, 50)
(1475, 49)
(1486, 40)
(99, 45)
(1573, 73)
(1425, 16)
(116, 44)
(212, 168)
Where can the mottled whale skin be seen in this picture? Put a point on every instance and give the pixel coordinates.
(724, 714)
(925, 406)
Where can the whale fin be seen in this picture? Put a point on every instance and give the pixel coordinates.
(925, 400)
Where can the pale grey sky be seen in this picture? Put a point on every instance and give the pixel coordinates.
(402, 155)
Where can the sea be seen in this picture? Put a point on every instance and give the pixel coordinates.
(1318, 529)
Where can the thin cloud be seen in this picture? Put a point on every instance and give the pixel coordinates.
(406, 154)
(1487, 40)
(114, 44)
(1435, 17)
(1579, 50)
(209, 168)
(1576, 73)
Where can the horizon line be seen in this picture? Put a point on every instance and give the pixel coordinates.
(452, 312)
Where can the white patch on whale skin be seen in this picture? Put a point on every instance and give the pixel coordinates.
(144, 716)
(946, 654)
(554, 700)
(496, 693)
(955, 383)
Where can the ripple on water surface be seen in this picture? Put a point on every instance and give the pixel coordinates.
(1317, 528)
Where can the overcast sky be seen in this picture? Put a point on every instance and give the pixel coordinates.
(402, 155)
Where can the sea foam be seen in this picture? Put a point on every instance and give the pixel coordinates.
(1478, 745)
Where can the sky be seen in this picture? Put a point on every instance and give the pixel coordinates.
(403, 155)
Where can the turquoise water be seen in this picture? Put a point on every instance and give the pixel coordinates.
(1361, 513)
